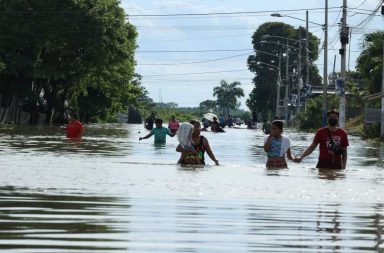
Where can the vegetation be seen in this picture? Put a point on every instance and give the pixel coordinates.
(57, 55)
(267, 48)
(370, 61)
(227, 95)
(311, 118)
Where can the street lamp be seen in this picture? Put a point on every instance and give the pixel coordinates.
(307, 39)
(300, 82)
(278, 15)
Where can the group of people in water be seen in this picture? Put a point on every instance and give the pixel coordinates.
(333, 142)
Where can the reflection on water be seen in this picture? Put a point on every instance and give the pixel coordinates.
(111, 193)
(331, 174)
(39, 222)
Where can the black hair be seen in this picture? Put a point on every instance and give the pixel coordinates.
(279, 124)
(159, 121)
(74, 116)
(333, 111)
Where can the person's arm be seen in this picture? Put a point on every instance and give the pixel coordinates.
(146, 137)
(268, 142)
(289, 154)
(209, 151)
(308, 151)
(344, 158)
(180, 149)
(170, 133)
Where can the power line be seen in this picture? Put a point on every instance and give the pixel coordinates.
(198, 73)
(195, 62)
(193, 51)
(200, 80)
(361, 4)
(224, 13)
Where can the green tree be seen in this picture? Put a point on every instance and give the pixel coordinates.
(262, 99)
(208, 105)
(311, 118)
(71, 51)
(227, 95)
(370, 61)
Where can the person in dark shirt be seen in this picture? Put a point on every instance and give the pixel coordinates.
(150, 121)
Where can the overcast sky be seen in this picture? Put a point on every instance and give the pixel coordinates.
(188, 78)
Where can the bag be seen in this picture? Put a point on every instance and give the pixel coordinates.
(337, 150)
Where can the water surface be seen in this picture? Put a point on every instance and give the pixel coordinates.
(112, 193)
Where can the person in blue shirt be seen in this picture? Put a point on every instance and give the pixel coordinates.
(159, 132)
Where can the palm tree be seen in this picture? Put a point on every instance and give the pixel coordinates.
(227, 95)
(369, 62)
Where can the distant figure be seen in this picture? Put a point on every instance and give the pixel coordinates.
(238, 121)
(74, 127)
(150, 121)
(160, 133)
(229, 121)
(333, 145)
(173, 124)
(266, 127)
(222, 121)
(250, 125)
(276, 145)
(205, 124)
(215, 127)
(184, 136)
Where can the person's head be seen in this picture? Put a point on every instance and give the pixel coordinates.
(159, 123)
(73, 116)
(196, 126)
(333, 117)
(276, 128)
(214, 119)
(153, 115)
(173, 117)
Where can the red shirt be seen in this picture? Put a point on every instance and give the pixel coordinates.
(74, 129)
(322, 137)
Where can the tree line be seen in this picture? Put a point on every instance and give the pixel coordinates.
(66, 55)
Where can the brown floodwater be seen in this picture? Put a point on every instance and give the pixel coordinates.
(111, 193)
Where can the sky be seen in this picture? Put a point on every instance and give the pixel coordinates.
(182, 58)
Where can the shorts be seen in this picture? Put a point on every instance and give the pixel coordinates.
(276, 163)
(329, 164)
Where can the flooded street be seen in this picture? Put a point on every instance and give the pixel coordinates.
(112, 193)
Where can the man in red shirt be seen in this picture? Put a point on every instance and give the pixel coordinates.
(74, 127)
(333, 145)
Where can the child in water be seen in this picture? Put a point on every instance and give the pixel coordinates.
(184, 136)
(276, 145)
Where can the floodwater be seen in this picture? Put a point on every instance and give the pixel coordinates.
(112, 193)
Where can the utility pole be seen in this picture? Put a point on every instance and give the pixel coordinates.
(382, 90)
(286, 83)
(299, 78)
(277, 113)
(307, 50)
(334, 73)
(325, 73)
(344, 37)
(349, 49)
